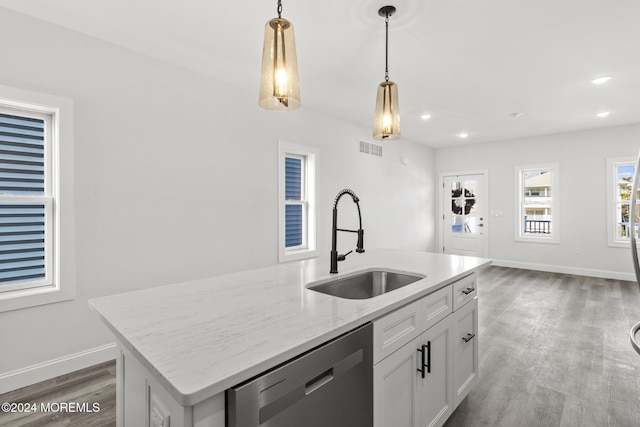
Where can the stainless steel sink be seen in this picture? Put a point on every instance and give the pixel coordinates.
(365, 284)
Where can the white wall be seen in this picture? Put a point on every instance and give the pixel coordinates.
(176, 178)
(583, 198)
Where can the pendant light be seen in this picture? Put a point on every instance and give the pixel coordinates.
(279, 88)
(386, 123)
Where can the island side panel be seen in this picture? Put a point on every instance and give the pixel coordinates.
(142, 401)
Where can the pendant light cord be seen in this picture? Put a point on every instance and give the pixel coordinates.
(279, 8)
(386, 50)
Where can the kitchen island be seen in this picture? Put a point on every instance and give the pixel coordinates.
(182, 345)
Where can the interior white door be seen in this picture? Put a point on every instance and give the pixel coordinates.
(464, 214)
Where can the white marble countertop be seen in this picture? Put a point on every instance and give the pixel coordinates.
(199, 338)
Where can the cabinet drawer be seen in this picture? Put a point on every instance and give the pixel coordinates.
(465, 350)
(464, 290)
(395, 330)
(436, 306)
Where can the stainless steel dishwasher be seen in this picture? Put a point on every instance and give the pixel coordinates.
(329, 386)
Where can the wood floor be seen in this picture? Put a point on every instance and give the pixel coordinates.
(94, 385)
(554, 351)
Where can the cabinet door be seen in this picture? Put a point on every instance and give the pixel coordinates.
(395, 388)
(465, 350)
(436, 393)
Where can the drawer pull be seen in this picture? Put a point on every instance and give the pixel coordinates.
(468, 338)
(468, 291)
(425, 350)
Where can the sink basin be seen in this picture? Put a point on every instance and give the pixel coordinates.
(365, 284)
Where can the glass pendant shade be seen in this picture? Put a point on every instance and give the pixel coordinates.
(279, 87)
(386, 123)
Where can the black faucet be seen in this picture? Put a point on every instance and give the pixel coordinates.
(334, 231)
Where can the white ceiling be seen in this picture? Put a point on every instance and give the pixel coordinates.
(469, 63)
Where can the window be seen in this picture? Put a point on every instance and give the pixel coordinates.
(26, 202)
(31, 207)
(619, 181)
(297, 202)
(537, 211)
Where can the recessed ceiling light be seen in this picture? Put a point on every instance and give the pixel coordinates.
(463, 135)
(600, 80)
(425, 116)
(603, 114)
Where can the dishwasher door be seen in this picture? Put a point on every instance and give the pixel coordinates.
(330, 386)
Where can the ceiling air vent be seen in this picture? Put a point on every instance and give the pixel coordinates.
(370, 148)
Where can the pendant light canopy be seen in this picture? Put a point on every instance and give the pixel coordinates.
(279, 87)
(386, 123)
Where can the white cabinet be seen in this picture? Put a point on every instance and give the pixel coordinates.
(436, 397)
(143, 402)
(464, 291)
(465, 350)
(428, 371)
(395, 388)
(396, 329)
(414, 385)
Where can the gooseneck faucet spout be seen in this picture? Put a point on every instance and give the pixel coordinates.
(335, 257)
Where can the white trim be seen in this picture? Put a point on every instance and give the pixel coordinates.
(612, 164)
(63, 227)
(577, 271)
(554, 237)
(53, 368)
(311, 166)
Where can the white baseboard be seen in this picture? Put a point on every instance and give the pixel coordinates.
(603, 274)
(52, 368)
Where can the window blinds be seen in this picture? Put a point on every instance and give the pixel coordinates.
(293, 193)
(22, 221)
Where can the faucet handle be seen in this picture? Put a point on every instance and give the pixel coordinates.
(343, 257)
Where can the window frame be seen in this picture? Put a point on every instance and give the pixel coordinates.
(612, 200)
(59, 283)
(554, 236)
(309, 155)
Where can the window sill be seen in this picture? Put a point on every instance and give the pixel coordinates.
(617, 244)
(547, 240)
(25, 298)
(297, 255)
